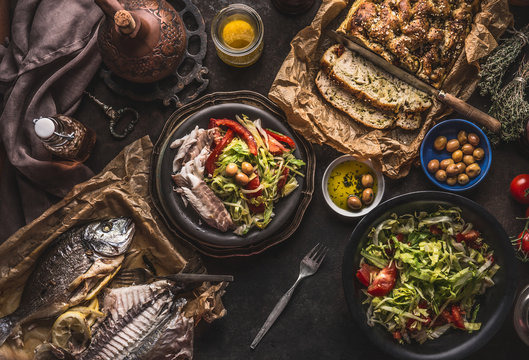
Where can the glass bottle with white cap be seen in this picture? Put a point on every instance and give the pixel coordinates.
(65, 137)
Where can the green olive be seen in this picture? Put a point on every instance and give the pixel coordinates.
(368, 196)
(231, 169)
(452, 145)
(462, 137)
(468, 159)
(444, 163)
(467, 149)
(354, 202)
(461, 166)
(433, 166)
(451, 181)
(241, 178)
(440, 175)
(463, 179)
(473, 139)
(478, 154)
(452, 170)
(367, 180)
(247, 168)
(473, 170)
(439, 143)
(457, 156)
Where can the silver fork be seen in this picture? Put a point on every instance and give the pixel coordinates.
(308, 266)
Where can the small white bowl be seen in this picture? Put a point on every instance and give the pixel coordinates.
(364, 210)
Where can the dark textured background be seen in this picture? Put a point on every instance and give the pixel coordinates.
(316, 324)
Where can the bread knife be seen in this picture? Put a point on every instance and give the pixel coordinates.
(469, 111)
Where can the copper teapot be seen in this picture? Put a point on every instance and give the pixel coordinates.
(141, 41)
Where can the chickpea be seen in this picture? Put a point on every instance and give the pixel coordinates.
(367, 180)
(354, 202)
(451, 181)
(452, 170)
(457, 156)
(433, 166)
(440, 175)
(468, 159)
(368, 196)
(452, 145)
(473, 139)
(478, 154)
(444, 163)
(461, 166)
(463, 179)
(231, 169)
(473, 170)
(241, 178)
(467, 149)
(439, 143)
(247, 168)
(462, 137)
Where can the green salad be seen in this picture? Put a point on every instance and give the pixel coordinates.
(254, 167)
(423, 273)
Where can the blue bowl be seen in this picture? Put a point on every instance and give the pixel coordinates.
(450, 128)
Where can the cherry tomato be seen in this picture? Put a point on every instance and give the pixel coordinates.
(520, 188)
(364, 273)
(384, 281)
(523, 237)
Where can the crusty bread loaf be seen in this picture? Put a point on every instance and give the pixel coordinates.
(361, 111)
(371, 83)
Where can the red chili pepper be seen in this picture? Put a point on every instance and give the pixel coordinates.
(282, 179)
(239, 130)
(212, 159)
(280, 137)
(275, 147)
(252, 185)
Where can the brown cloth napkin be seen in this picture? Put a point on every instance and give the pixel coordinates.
(51, 57)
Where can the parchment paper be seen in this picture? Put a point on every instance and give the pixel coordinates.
(393, 150)
(121, 189)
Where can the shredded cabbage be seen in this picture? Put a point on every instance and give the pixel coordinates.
(269, 169)
(435, 274)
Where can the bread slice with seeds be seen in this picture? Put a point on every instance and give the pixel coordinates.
(361, 111)
(372, 84)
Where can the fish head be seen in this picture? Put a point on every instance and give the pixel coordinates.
(110, 237)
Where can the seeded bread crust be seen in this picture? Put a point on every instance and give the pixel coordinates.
(361, 111)
(358, 76)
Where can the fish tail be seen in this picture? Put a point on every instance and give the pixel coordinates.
(6, 327)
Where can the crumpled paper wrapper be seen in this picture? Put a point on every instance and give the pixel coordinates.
(121, 189)
(391, 150)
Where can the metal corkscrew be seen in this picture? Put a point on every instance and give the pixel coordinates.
(115, 116)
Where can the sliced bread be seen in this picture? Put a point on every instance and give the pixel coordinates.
(361, 111)
(372, 84)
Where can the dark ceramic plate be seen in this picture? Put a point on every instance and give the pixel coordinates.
(184, 221)
(494, 304)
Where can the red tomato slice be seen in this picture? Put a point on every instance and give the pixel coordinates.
(364, 273)
(275, 147)
(252, 185)
(520, 188)
(384, 281)
(456, 316)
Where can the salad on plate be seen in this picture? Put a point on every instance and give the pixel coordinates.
(423, 273)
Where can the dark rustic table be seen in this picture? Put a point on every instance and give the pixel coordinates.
(316, 324)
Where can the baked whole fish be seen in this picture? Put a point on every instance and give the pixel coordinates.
(69, 268)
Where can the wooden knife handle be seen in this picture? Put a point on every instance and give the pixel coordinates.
(470, 112)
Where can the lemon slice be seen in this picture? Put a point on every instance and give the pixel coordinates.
(71, 332)
(238, 34)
